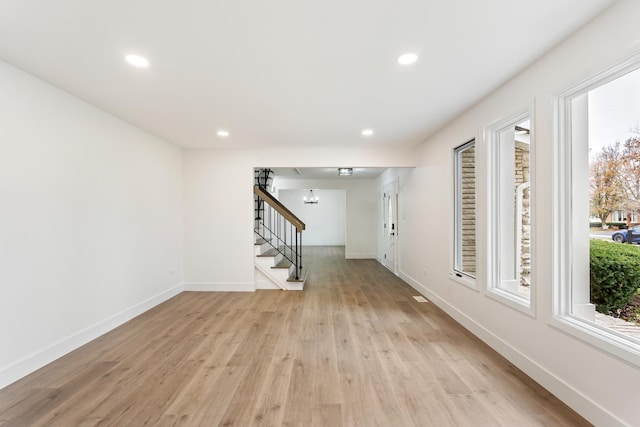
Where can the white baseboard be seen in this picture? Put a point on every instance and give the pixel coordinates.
(351, 255)
(54, 351)
(565, 392)
(219, 287)
(323, 244)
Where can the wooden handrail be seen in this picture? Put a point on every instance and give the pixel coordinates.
(280, 208)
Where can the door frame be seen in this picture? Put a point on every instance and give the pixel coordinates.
(392, 187)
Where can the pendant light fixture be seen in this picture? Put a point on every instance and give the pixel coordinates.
(310, 199)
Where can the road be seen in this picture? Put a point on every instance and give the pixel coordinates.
(601, 234)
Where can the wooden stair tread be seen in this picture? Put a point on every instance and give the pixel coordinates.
(261, 241)
(284, 263)
(270, 252)
(301, 277)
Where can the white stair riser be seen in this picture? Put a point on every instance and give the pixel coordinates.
(278, 276)
(277, 259)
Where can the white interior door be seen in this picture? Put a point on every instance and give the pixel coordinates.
(390, 225)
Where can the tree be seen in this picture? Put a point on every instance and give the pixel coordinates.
(615, 178)
(629, 173)
(606, 192)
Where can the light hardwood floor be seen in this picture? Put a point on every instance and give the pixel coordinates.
(353, 349)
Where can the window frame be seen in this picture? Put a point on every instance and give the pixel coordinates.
(564, 314)
(492, 133)
(457, 274)
(616, 217)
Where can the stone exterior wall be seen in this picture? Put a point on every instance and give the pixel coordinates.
(468, 233)
(522, 175)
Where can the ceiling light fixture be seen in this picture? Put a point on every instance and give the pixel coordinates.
(407, 59)
(311, 199)
(137, 61)
(367, 132)
(223, 133)
(345, 171)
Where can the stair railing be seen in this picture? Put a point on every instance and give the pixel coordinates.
(280, 228)
(263, 179)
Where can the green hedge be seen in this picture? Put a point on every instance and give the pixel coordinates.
(615, 274)
(618, 225)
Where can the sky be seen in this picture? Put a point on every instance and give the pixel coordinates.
(614, 109)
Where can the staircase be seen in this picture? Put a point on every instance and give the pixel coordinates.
(278, 239)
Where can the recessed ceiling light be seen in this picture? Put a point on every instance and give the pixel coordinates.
(407, 59)
(367, 132)
(345, 171)
(223, 133)
(137, 61)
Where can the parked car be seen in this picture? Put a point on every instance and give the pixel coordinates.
(621, 236)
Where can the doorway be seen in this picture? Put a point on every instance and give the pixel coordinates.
(390, 225)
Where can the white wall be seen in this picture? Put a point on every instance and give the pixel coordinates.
(361, 206)
(90, 222)
(325, 221)
(218, 241)
(599, 386)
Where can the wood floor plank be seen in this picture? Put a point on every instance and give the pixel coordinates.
(299, 404)
(327, 414)
(51, 398)
(219, 397)
(469, 411)
(193, 395)
(503, 410)
(271, 400)
(241, 409)
(353, 349)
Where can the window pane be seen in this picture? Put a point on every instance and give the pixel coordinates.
(514, 209)
(465, 210)
(614, 196)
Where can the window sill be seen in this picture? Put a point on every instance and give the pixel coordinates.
(464, 280)
(512, 300)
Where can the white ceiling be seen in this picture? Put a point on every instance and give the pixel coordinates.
(284, 72)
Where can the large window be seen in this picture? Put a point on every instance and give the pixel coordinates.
(464, 256)
(597, 153)
(509, 146)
